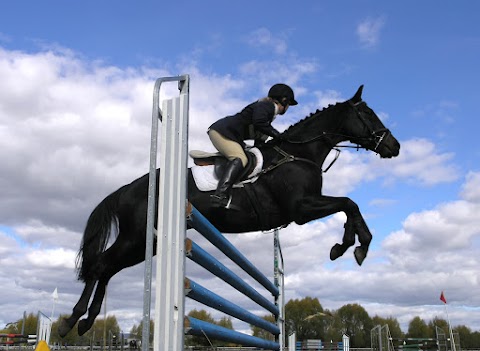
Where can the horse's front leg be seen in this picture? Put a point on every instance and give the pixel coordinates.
(364, 237)
(348, 240)
(306, 210)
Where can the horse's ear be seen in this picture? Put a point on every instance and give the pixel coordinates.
(358, 95)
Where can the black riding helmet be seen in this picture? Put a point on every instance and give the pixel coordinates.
(281, 91)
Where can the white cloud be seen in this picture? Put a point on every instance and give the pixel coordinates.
(368, 31)
(328, 97)
(72, 132)
(263, 38)
(420, 162)
(382, 202)
(437, 239)
(51, 259)
(471, 188)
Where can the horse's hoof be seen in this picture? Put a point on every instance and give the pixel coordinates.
(82, 327)
(63, 328)
(336, 251)
(360, 255)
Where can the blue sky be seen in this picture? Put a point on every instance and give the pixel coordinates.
(75, 106)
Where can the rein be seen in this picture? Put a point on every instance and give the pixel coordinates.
(376, 136)
(290, 158)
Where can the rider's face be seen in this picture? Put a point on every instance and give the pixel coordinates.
(283, 109)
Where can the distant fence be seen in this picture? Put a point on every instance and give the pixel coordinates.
(44, 328)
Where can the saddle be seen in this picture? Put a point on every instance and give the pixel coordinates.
(209, 167)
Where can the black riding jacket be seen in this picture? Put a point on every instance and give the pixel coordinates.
(256, 117)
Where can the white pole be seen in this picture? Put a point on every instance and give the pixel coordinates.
(55, 298)
(452, 341)
(105, 320)
(292, 342)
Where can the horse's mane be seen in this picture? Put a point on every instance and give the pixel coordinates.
(310, 125)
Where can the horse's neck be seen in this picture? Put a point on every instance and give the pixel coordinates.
(316, 151)
(316, 148)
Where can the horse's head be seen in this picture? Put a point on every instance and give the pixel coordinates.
(351, 120)
(365, 128)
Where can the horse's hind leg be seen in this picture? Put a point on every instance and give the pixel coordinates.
(85, 324)
(122, 254)
(79, 310)
(347, 241)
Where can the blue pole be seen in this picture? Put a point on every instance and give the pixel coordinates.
(198, 327)
(204, 227)
(204, 259)
(198, 293)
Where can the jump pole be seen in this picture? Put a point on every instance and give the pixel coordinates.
(171, 232)
(171, 220)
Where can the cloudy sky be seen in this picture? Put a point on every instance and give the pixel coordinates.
(75, 111)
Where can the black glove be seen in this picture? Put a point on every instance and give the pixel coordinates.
(258, 142)
(279, 137)
(275, 134)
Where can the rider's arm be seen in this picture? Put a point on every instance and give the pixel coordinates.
(262, 117)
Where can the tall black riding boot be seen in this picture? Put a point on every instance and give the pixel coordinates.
(221, 198)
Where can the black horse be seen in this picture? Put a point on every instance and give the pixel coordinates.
(289, 189)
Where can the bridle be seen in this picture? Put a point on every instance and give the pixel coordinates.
(376, 136)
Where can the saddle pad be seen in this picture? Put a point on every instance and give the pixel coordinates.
(206, 180)
(205, 177)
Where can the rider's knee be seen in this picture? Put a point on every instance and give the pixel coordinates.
(241, 156)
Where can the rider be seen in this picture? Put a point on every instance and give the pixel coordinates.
(228, 135)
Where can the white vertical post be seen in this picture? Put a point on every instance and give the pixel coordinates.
(279, 283)
(44, 328)
(292, 342)
(171, 220)
(452, 340)
(168, 333)
(346, 342)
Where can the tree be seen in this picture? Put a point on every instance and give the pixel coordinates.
(225, 322)
(191, 340)
(30, 325)
(262, 333)
(306, 318)
(356, 323)
(393, 326)
(137, 331)
(101, 328)
(333, 327)
(465, 337)
(417, 328)
(473, 340)
(72, 338)
(437, 322)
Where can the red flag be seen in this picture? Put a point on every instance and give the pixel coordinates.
(442, 298)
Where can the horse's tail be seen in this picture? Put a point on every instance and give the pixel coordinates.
(96, 235)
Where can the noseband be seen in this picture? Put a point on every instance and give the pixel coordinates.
(376, 136)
